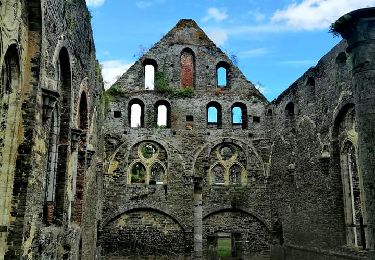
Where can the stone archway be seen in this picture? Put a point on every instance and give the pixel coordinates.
(142, 232)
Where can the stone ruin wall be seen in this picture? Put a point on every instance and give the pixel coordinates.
(34, 42)
(286, 202)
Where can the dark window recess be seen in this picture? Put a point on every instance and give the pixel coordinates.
(256, 119)
(189, 118)
(117, 114)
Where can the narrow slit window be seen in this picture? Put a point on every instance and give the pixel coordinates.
(149, 77)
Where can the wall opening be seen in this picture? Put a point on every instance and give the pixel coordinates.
(157, 174)
(136, 113)
(341, 59)
(81, 163)
(351, 177)
(147, 164)
(218, 173)
(149, 77)
(289, 110)
(83, 112)
(64, 84)
(222, 74)
(239, 115)
(214, 114)
(150, 68)
(162, 110)
(189, 118)
(344, 154)
(138, 173)
(117, 114)
(187, 65)
(52, 157)
(269, 112)
(310, 84)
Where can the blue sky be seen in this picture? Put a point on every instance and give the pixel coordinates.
(275, 41)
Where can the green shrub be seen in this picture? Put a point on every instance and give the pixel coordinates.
(162, 86)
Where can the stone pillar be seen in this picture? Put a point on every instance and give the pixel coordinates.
(198, 214)
(358, 28)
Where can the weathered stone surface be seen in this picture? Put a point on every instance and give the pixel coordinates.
(80, 179)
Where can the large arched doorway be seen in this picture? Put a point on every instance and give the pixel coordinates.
(143, 232)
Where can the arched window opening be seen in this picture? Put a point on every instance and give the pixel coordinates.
(351, 177)
(289, 110)
(136, 113)
(239, 115)
(162, 110)
(162, 115)
(310, 83)
(218, 173)
(81, 163)
(341, 59)
(222, 74)
(235, 174)
(10, 71)
(269, 112)
(214, 114)
(344, 153)
(149, 77)
(138, 173)
(157, 174)
(83, 113)
(64, 84)
(52, 156)
(147, 164)
(187, 62)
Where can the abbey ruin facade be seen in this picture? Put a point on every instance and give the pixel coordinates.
(182, 158)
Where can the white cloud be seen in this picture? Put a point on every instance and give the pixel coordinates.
(254, 53)
(112, 69)
(148, 3)
(218, 36)
(316, 14)
(94, 3)
(215, 14)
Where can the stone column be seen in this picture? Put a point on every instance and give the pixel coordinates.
(198, 214)
(358, 28)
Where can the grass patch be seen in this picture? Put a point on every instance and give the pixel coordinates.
(224, 247)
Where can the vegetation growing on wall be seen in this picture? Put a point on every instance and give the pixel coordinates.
(162, 86)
